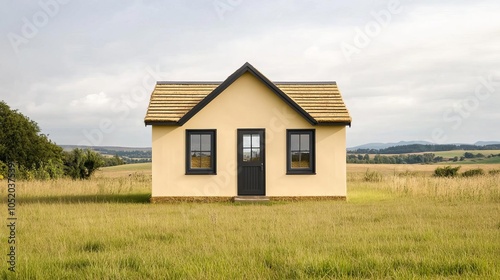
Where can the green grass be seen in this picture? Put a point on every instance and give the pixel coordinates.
(459, 153)
(492, 160)
(404, 226)
(129, 167)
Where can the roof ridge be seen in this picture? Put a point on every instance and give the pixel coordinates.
(220, 82)
(188, 82)
(306, 83)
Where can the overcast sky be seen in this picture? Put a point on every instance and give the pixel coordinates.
(408, 70)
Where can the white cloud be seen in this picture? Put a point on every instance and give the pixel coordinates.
(91, 102)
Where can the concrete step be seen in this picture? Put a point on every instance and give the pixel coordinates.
(253, 199)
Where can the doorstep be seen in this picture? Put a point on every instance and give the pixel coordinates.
(251, 198)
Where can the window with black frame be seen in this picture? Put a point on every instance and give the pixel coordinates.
(200, 152)
(301, 156)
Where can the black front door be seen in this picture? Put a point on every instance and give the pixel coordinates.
(251, 162)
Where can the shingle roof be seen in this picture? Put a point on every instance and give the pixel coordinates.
(173, 103)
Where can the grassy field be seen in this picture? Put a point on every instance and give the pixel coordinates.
(448, 155)
(402, 224)
(492, 160)
(459, 153)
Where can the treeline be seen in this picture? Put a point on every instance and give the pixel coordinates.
(420, 148)
(132, 154)
(119, 160)
(126, 157)
(394, 159)
(411, 158)
(35, 156)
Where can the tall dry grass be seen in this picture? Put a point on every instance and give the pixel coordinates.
(420, 184)
(399, 226)
(135, 187)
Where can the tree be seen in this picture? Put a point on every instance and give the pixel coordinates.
(113, 161)
(81, 164)
(446, 171)
(21, 142)
(468, 155)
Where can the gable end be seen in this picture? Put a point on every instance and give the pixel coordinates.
(247, 67)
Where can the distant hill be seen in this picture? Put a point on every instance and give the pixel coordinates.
(106, 148)
(127, 154)
(421, 148)
(378, 146)
(484, 143)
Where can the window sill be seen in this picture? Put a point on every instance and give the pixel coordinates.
(300, 173)
(201, 173)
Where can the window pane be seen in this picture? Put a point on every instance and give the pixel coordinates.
(305, 161)
(201, 160)
(256, 154)
(206, 160)
(255, 140)
(295, 160)
(205, 142)
(294, 142)
(247, 140)
(304, 142)
(195, 142)
(247, 154)
(195, 160)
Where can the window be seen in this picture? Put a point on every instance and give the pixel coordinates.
(300, 151)
(200, 152)
(251, 147)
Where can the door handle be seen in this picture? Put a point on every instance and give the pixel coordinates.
(262, 167)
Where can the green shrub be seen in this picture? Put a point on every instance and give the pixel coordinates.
(473, 172)
(446, 171)
(372, 176)
(494, 172)
(45, 171)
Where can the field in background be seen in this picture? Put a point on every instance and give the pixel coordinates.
(125, 170)
(421, 169)
(449, 155)
(400, 223)
(459, 153)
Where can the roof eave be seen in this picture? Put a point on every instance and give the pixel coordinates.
(341, 123)
(162, 123)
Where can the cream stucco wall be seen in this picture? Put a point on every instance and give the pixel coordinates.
(247, 103)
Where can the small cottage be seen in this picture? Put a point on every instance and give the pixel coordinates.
(248, 138)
